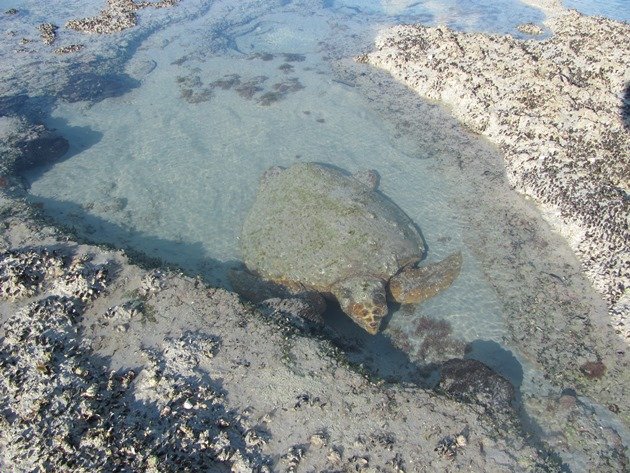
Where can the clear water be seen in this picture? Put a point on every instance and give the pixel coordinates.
(169, 164)
(152, 172)
(617, 9)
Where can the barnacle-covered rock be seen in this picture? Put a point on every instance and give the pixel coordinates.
(121, 315)
(79, 416)
(82, 280)
(22, 273)
(152, 282)
(38, 346)
(557, 108)
(118, 16)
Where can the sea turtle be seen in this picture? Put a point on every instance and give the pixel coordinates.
(316, 229)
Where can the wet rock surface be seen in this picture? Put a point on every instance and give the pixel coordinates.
(555, 107)
(472, 381)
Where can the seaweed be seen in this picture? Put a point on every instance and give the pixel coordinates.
(286, 68)
(248, 90)
(291, 85)
(438, 339)
(262, 56)
(227, 81)
(191, 81)
(270, 97)
(191, 96)
(292, 57)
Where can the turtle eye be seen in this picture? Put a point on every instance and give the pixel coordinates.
(379, 299)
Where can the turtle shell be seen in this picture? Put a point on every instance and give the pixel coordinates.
(316, 225)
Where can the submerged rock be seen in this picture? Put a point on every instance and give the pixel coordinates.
(118, 16)
(472, 381)
(48, 33)
(24, 145)
(71, 48)
(93, 87)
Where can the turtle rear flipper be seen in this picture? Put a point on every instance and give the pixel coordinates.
(414, 285)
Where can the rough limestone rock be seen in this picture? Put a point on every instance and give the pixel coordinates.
(558, 109)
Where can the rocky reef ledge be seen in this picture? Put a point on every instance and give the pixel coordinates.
(558, 109)
(106, 366)
(118, 16)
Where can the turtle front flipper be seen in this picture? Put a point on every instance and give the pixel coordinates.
(364, 300)
(413, 285)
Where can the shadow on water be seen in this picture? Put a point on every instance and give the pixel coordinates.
(380, 356)
(146, 250)
(40, 140)
(498, 358)
(376, 354)
(34, 109)
(13, 104)
(81, 82)
(80, 138)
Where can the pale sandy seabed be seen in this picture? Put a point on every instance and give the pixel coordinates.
(109, 363)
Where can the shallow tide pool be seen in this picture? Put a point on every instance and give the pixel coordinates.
(167, 162)
(170, 167)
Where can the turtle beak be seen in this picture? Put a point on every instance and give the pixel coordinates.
(364, 300)
(368, 316)
(372, 325)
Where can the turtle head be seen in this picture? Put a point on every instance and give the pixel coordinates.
(270, 174)
(364, 300)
